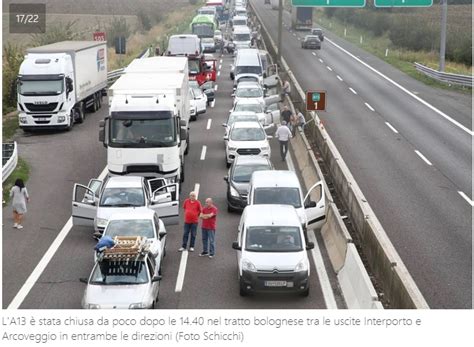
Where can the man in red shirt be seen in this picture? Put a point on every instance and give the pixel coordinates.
(209, 216)
(192, 209)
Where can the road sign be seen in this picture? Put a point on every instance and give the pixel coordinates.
(99, 36)
(316, 100)
(331, 3)
(403, 3)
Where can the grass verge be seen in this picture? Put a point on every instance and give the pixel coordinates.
(22, 171)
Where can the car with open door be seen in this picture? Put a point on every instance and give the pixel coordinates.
(283, 187)
(92, 205)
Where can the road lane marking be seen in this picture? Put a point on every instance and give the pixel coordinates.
(369, 107)
(220, 61)
(313, 53)
(321, 61)
(215, 87)
(213, 103)
(203, 152)
(35, 275)
(220, 66)
(339, 78)
(328, 68)
(182, 270)
(442, 114)
(209, 121)
(196, 189)
(218, 73)
(391, 127)
(465, 197)
(352, 90)
(423, 157)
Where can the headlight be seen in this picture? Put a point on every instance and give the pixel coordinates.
(101, 222)
(93, 306)
(61, 119)
(301, 266)
(22, 120)
(231, 149)
(234, 192)
(248, 266)
(264, 148)
(137, 305)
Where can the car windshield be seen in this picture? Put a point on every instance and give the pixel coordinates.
(273, 239)
(257, 108)
(257, 70)
(130, 227)
(143, 132)
(122, 197)
(278, 196)
(119, 273)
(242, 173)
(239, 118)
(249, 92)
(248, 134)
(43, 87)
(239, 22)
(241, 37)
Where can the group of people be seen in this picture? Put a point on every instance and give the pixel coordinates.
(289, 124)
(193, 211)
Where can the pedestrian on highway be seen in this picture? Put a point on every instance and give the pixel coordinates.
(20, 197)
(208, 227)
(286, 90)
(283, 134)
(286, 114)
(192, 209)
(300, 120)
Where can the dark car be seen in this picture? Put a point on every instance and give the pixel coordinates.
(239, 178)
(319, 33)
(311, 41)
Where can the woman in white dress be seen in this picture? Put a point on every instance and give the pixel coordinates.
(20, 197)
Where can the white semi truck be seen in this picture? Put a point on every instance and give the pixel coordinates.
(146, 132)
(57, 83)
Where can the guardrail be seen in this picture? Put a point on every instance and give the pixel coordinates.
(9, 159)
(398, 286)
(463, 80)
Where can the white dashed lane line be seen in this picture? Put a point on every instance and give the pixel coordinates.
(218, 73)
(313, 53)
(213, 103)
(369, 107)
(209, 121)
(423, 157)
(220, 66)
(391, 127)
(465, 197)
(203, 152)
(329, 68)
(220, 61)
(321, 61)
(352, 90)
(339, 78)
(215, 87)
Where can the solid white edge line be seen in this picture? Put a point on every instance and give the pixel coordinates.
(329, 68)
(43, 263)
(339, 78)
(203, 152)
(209, 121)
(465, 197)
(369, 107)
(218, 73)
(391, 127)
(318, 259)
(442, 114)
(321, 61)
(220, 61)
(423, 157)
(352, 90)
(181, 272)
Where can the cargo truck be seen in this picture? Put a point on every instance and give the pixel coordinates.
(146, 132)
(58, 83)
(301, 18)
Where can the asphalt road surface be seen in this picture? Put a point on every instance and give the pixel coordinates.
(413, 164)
(58, 160)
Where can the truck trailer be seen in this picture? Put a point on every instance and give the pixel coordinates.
(301, 18)
(57, 83)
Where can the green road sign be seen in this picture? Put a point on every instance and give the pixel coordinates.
(316, 96)
(329, 3)
(403, 3)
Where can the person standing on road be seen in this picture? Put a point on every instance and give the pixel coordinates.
(286, 90)
(20, 197)
(283, 134)
(192, 209)
(208, 227)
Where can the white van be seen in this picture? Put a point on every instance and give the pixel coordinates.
(242, 37)
(283, 187)
(271, 251)
(247, 65)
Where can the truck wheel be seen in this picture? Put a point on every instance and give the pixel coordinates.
(95, 106)
(81, 114)
(187, 145)
(99, 99)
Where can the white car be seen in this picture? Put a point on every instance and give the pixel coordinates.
(272, 251)
(249, 91)
(238, 116)
(197, 102)
(246, 138)
(93, 205)
(251, 105)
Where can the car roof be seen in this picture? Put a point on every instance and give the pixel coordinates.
(136, 213)
(244, 113)
(248, 84)
(248, 101)
(275, 178)
(124, 182)
(267, 215)
(247, 124)
(311, 37)
(251, 159)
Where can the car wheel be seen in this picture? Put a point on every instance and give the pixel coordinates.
(242, 290)
(187, 145)
(230, 209)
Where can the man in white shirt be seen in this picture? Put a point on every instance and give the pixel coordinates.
(283, 134)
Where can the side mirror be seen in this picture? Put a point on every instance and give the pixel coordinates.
(182, 123)
(156, 278)
(235, 245)
(310, 204)
(161, 234)
(226, 178)
(102, 136)
(83, 280)
(309, 246)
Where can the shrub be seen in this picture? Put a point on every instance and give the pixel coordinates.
(12, 58)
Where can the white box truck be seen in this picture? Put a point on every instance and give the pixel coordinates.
(146, 131)
(57, 83)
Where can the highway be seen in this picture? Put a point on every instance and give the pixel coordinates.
(412, 160)
(58, 160)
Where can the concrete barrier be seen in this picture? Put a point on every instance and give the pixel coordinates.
(398, 286)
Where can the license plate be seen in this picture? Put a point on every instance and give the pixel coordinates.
(275, 284)
(42, 119)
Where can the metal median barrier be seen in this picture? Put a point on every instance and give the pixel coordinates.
(9, 159)
(399, 289)
(462, 80)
